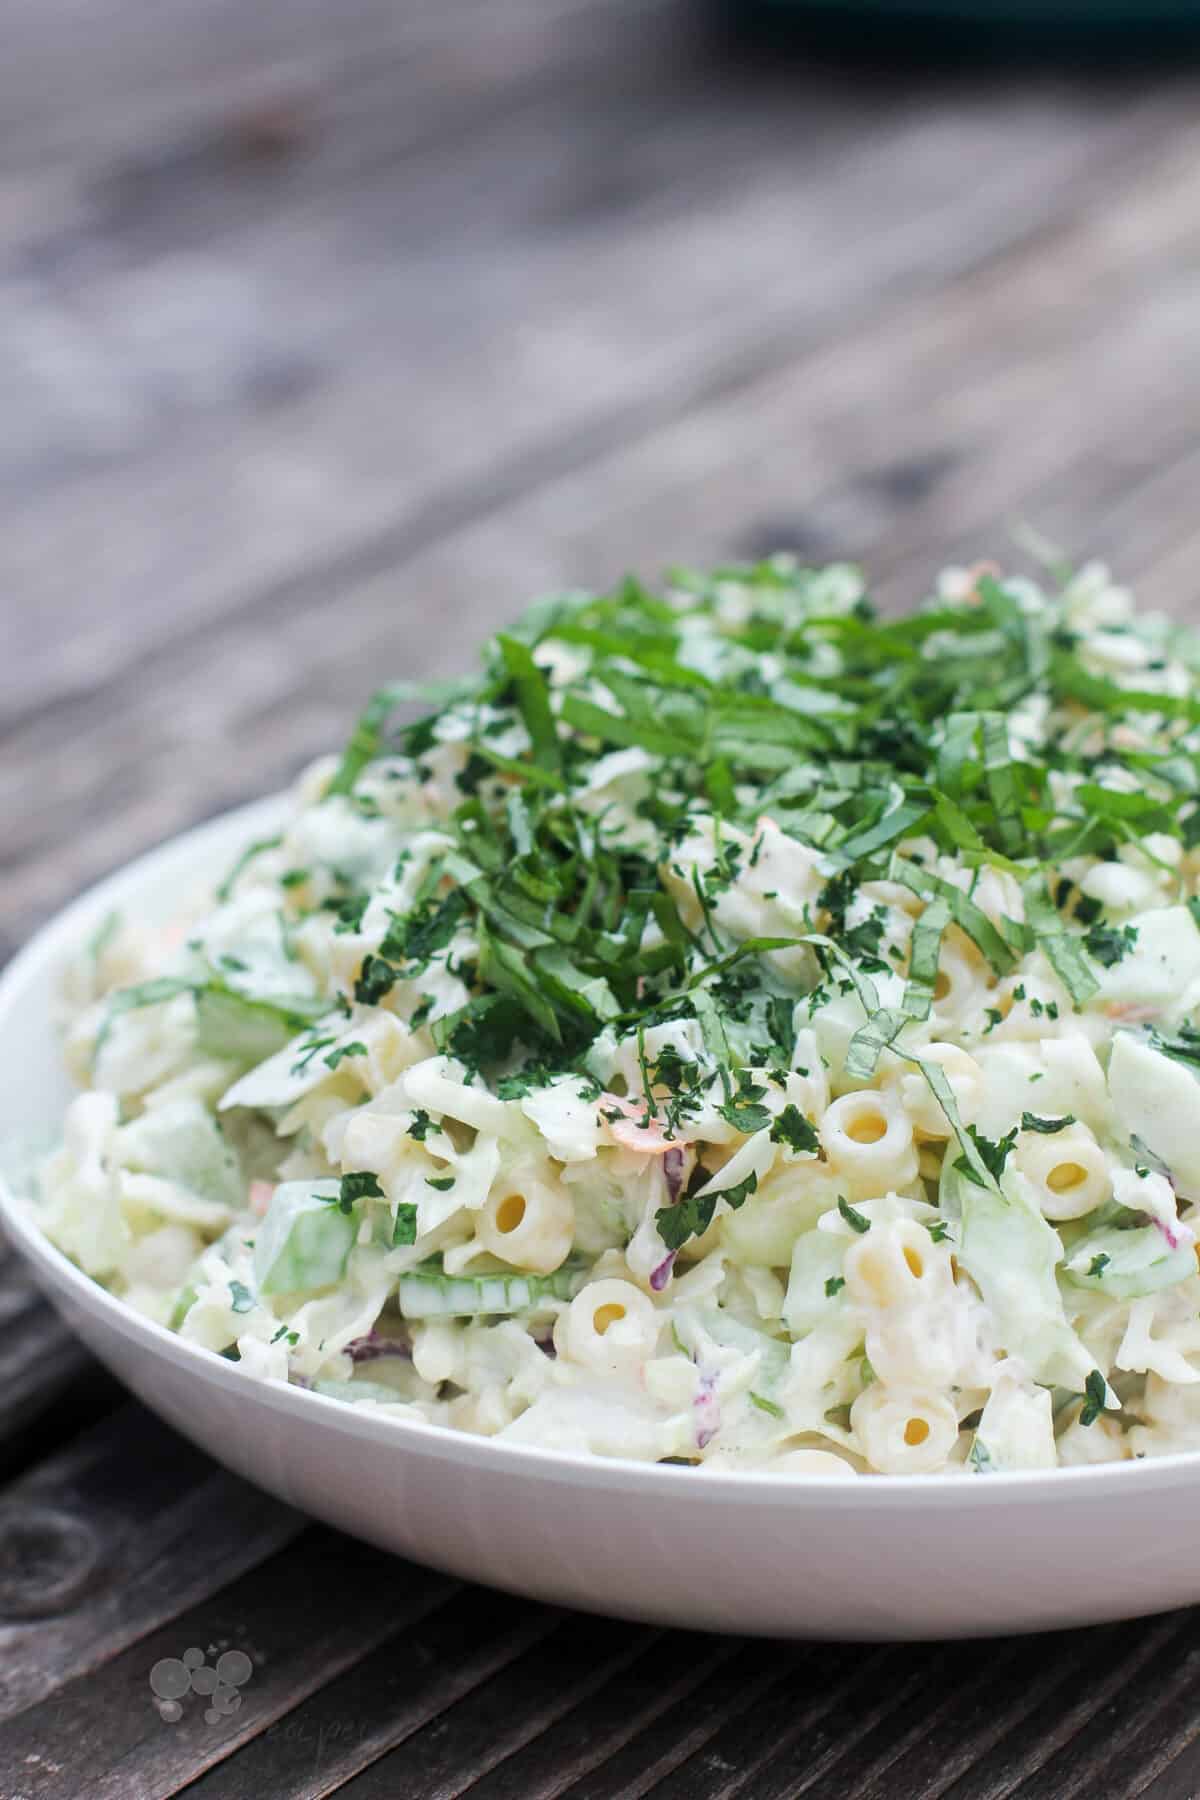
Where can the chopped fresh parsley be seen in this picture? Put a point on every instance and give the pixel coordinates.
(376, 979)
(834, 1285)
(350, 913)
(794, 1130)
(693, 1213)
(360, 1185)
(1109, 943)
(1184, 1047)
(855, 1220)
(1094, 1391)
(1033, 1122)
(744, 1109)
(420, 934)
(404, 1230)
(993, 1155)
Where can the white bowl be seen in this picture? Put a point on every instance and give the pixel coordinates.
(878, 1557)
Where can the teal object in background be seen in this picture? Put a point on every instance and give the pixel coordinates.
(1088, 28)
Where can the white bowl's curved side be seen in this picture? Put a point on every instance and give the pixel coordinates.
(879, 1558)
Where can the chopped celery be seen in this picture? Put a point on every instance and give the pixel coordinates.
(305, 1239)
(428, 1293)
(182, 1142)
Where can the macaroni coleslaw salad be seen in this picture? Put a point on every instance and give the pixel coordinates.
(732, 1029)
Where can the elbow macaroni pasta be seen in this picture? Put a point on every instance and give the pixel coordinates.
(531, 1226)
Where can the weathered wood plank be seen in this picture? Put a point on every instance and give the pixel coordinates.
(662, 1681)
(85, 83)
(807, 1739)
(399, 1687)
(955, 1732)
(1151, 1668)
(1164, 1763)
(372, 439)
(302, 1617)
(530, 1693)
(166, 1529)
(1097, 1665)
(804, 1679)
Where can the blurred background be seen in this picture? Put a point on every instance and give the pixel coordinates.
(329, 334)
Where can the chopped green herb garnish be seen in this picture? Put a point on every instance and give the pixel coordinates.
(693, 1213)
(361, 1185)
(1032, 1122)
(422, 1125)
(1109, 943)
(404, 1230)
(794, 1130)
(855, 1220)
(420, 1012)
(1095, 1392)
(376, 979)
(993, 1155)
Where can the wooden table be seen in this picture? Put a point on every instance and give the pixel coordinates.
(327, 336)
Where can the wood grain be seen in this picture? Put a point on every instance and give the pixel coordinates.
(170, 1528)
(327, 338)
(302, 1617)
(401, 1686)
